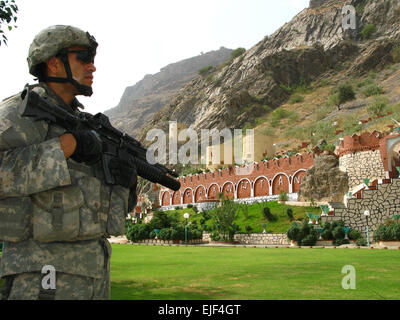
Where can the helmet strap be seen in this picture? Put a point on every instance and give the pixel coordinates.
(82, 89)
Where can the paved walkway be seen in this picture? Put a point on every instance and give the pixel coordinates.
(124, 240)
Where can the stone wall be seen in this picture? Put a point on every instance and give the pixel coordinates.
(362, 165)
(257, 238)
(382, 202)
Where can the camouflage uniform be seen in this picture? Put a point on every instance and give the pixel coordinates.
(53, 211)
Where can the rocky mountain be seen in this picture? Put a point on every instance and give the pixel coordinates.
(148, 96)
(311, 47)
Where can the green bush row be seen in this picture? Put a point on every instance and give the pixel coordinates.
(306, 235)
(144, 231)
(389, 231)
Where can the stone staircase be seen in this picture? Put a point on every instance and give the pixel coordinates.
(381, 198)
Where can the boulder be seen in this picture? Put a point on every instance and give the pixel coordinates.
(324, 181)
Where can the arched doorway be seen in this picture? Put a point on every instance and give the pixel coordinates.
(176, 198)
(244, 189)
(297, 180)
(166, 201)
(213, 191)
(188, 196)
(280, 184)
(200, 194)
(261, 187)
(229, 190)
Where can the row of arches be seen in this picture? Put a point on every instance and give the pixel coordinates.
(244, 188)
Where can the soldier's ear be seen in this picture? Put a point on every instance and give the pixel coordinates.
(54, 66)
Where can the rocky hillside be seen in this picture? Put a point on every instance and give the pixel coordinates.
(310, 49)
(148, 96)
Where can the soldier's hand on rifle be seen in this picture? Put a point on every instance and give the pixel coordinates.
(88, 146)
(124, 172)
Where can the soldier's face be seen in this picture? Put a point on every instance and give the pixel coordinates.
(81, 71)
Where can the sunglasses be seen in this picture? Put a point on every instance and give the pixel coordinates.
(86, 56)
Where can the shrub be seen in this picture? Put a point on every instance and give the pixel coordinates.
(334, 231)
(354, 234)
(190, 206)
(217, 82)
(362, 242)
(377, 107)
(165, 234)
(161, 220)
(152, 234)
(296, 98)
(368, 31)
(287, 89)
(346, 92)
(329, 147)
(310, 240)
(343, 93)
(338, 233)
(339, 242)
(178, 233)
(238, 52)
(249, 229)
(293, 232)
(280, 113)
(210, 77)
(215, 236)
(289, 212)
(327, 235)
(304, 235)
(367, 81)
(203, 71)
(283, 196)
(268, 215)
(138, 232)
(388, 232)
(372, 90)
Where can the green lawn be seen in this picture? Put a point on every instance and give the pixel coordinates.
(228, 273)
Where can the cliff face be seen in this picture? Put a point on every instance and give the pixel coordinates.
(311, 46)
(148, 96)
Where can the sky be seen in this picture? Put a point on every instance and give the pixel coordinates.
(137, 38)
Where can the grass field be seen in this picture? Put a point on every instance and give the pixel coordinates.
(229, 273)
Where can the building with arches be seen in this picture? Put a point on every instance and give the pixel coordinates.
(372, 156)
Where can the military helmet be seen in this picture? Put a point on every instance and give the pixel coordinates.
(54, 41)
(50, 41)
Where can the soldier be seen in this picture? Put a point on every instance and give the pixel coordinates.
(56, 212)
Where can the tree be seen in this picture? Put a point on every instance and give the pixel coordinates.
(344, 93)
(8, 11)
(224, 216)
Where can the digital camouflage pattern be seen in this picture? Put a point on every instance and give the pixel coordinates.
(57, 212)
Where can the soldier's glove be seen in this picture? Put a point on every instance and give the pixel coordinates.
(88, 146)
(124, 172)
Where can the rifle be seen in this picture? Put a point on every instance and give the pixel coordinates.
(115, 143)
